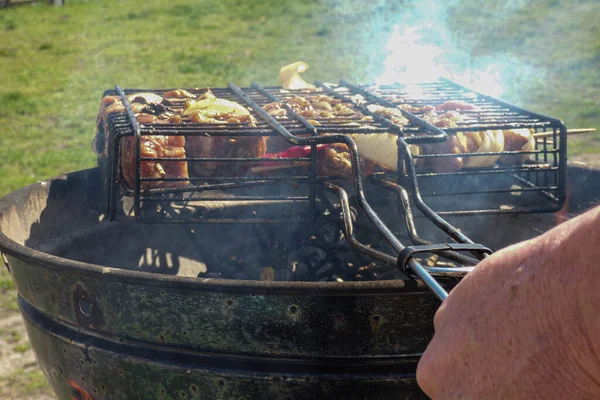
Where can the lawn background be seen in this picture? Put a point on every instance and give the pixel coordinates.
(55, 63)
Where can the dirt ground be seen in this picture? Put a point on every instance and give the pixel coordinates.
(20, 376)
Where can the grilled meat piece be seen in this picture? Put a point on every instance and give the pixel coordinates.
(212, 110)
(517, 140)
(150, 146)
(155, 146)
(178, 94)
(315, 107)
(224, 147)
(393, 114)
(456, 105)
(456, 144)
(335, 160)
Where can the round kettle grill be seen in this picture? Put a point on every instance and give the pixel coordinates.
(117, 309)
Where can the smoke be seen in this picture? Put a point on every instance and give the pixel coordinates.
(419, 41)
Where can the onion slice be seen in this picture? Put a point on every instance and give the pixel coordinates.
(147, 98)
(289, 76)
(382, 148)
(210, 106)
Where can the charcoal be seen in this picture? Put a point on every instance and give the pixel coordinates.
(325, 269)
(242, 275)
(299, 269)
(329, 232)
(312, 255)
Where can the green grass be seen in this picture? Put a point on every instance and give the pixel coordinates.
(55, 63)
(8, 293)
(23, 384)
(22, 347)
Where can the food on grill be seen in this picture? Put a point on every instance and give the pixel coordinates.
(150, 108)
(456, 105)
(212, 110)
(393, 114)
(445, 115)
(490, 141)
(289, 76)
(335, 160)
(465, 142)
(517, 140)
(224, 147)
(317, 107)
(448, 119)
(144, 98)
(178, 94)
(155, 146)
(378, 147)
(147, 109)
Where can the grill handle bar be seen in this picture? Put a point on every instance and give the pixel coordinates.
(427, 279)
(403, 198)
(456, 272)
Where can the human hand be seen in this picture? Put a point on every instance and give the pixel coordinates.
(524, 324)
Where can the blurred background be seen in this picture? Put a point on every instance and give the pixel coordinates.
(55, 63)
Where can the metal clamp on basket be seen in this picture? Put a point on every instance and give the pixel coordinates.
(410, 251)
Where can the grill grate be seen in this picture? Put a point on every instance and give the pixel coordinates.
(537, 185)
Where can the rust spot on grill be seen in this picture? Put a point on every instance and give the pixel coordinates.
(375, 322)
(78, 393)
(87, 308)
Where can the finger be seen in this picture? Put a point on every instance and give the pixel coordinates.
(430, 370)
(440, 317)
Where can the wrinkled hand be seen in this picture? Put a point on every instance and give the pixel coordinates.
(524, 324)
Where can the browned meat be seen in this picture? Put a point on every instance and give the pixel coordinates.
(178, 94)
(223, 147)
(517, 140)
(449, 119)
(514, 140)
(334, 160)
(417, 110)
(155, 146)
(218, 111)
(150, 146)
(393, 114)
(315, 107)
(456, 144)
(456, 105)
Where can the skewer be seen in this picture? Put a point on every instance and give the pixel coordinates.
(541, 135)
